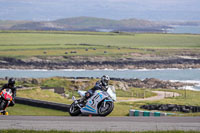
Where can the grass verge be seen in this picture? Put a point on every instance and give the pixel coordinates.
(20, 109)
(45, 95)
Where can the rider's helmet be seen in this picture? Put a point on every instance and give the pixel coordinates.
(104, 80)
(11, 82)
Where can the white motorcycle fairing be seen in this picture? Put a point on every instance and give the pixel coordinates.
(91, 105)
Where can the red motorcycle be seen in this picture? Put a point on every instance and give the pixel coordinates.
(5, 99)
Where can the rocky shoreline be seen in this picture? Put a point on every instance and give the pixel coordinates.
(12, 63)
(153, 83)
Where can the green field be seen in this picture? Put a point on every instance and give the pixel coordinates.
(32, 43)
(62, 40)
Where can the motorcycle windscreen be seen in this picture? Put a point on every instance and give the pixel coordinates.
(81, 93)
(112, 93)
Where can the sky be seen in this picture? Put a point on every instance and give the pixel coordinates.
(161, 10)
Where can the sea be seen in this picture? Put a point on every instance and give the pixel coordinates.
(184, 30)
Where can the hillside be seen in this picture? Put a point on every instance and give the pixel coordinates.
(7, 24)
(90, 24)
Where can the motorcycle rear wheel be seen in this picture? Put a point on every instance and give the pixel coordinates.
(74, 110)
(104, 111)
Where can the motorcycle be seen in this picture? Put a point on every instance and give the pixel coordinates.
(101, 103)
(5, 99)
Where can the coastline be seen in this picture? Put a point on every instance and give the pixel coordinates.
(10, 63)
(105, 69)
(96, 65)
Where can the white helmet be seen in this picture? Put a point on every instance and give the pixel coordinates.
(105, 79)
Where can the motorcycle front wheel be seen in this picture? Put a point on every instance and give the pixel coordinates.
(74, 110)
(105, 109)
(3, 104)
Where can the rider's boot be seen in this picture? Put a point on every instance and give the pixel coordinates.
(4, 112)
(82, 101)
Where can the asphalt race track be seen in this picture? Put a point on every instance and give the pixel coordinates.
(99, 123)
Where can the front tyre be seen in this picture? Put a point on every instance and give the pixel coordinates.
(3, 104)
(74, 110)
(105, 109)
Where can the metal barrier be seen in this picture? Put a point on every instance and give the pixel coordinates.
(43, 104)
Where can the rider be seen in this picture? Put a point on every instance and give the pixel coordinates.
(10, 85)
(100, 85)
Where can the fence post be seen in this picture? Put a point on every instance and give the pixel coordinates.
(185, 93)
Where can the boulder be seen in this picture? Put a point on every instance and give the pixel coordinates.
(122, 86)
(35, 81)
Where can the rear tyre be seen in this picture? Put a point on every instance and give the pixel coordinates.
(107, 109)
(74, 110)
